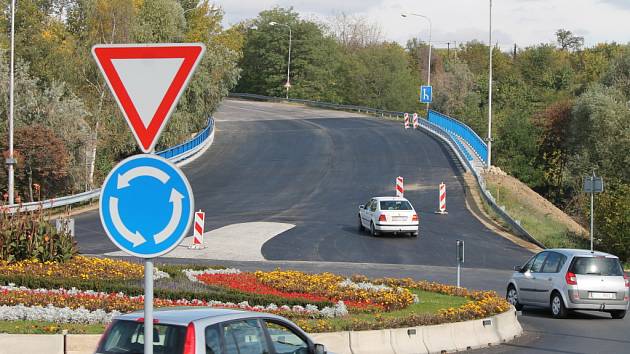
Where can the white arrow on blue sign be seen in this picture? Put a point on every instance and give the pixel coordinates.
(146, 205)
(426, 94)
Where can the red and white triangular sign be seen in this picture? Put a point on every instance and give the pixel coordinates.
(147, 81)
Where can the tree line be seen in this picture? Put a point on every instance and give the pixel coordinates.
(69, 131)
(560, 110)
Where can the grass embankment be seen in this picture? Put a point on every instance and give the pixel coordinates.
(548, 224)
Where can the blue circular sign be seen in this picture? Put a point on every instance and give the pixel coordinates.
(146, 205)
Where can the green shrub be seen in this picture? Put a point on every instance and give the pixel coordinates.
(30, 235)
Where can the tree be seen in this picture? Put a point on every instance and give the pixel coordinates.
(566, 40)
(314, 58)
(353, 32)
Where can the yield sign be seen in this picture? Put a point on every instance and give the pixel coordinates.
(147, 80)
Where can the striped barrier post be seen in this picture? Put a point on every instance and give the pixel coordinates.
(416, 124)
(442, 200)
(400, 191)
(200, 217)
(406, 120)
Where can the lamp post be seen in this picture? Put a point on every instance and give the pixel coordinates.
(430, 46)
(490, 92)
(10, 161)
(288, 83)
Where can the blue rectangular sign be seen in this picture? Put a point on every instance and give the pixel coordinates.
(426, 94)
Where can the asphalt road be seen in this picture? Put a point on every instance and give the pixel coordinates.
(312, 168)
(285, 163)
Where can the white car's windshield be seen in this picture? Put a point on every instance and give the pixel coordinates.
(395, 205)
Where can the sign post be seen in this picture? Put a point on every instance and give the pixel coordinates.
(460, 259)
(146, 203)
(593, 184)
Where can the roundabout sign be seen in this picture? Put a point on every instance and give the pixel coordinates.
(146, 206)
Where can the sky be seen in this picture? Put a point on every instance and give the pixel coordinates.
(520, 22)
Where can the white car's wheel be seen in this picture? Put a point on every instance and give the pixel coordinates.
(373, 231)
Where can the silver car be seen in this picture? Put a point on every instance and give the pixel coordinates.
(569, 279)
(207, 331)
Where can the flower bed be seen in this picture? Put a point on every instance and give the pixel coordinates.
(79, 267)
(317, 302)
(313, 287)
(45, 301)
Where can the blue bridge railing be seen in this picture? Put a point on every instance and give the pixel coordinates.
(460, 129)
(188, 145)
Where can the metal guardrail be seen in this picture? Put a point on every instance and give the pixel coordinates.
(176, 154)
(446, 128)
(460, 129)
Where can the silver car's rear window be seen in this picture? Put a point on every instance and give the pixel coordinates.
(596, 266)
(395, 205)
(128, 337)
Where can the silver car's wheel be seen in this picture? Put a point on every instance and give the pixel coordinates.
(360, 225)
(512, 298)
(557, 306)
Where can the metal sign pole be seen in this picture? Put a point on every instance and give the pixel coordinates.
(148, 306)
(460, 260)
(592, 193)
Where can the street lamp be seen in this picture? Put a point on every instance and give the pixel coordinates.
(10, 161)
(288, 83)
(430, 45)
(490, 92)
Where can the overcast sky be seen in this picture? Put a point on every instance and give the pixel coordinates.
(524, 22)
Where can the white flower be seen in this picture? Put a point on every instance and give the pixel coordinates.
(192, 274)
(158, 274)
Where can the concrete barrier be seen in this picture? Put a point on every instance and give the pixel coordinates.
(408, 340)
(336, 342)
(31, 343)
(371, 342)
(448, 337)
(81, 343)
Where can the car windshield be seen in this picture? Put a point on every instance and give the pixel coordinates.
(596, 266)
(395, 205)
(128, 337)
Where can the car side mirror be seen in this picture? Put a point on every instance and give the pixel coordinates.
(319, 349)
(518, 268)
(361, 206)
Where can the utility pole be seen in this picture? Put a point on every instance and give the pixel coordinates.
(11, 160)
(489, 163)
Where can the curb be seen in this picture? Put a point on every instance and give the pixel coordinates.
(447, 337)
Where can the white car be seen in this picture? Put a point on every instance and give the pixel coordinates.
(388, 215)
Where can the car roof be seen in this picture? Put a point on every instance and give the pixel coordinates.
(581, 253)
(185, 315)
(390, 198)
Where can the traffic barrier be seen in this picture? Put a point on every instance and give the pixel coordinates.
(200, 217)
(371, 342)
(442, 200)
(31, 343)
(400, 190)
(81, 343)
(408, 340)
(486, 332)
(416, 125)
(406, 120)
(438, 338)
(335, 342)
(464, 336)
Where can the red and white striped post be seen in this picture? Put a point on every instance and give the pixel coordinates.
(400, 190)
(416, 124)
(200, 217)
(442, 199)
(406, 120)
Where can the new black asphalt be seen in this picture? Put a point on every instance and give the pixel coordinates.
(312, 168)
